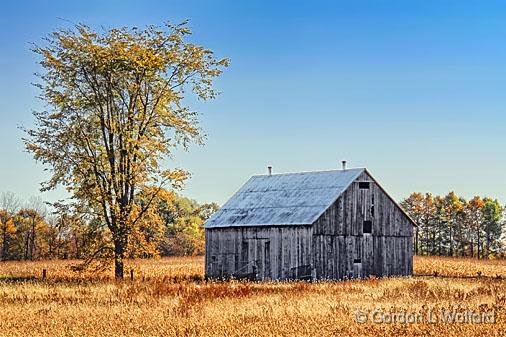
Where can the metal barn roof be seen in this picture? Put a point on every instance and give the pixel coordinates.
(283, 199)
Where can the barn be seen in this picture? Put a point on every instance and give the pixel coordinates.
(333, 224)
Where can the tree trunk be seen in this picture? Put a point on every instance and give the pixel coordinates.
(427, 240)
(119, 253)
(488, 245)
(478, 245)
(416, 241)
(440, 245)
(4, 245)
(77, 247)
(27, 241)
(450, 253)
(32, 241)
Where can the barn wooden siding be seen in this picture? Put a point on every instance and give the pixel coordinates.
(341, 249)
(333, 247)
(264, 253)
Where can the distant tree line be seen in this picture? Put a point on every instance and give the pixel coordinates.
(32, 230)
(453, 226)
(172, 226)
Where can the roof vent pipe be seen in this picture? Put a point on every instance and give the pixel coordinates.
(270, 170)
(344, 164)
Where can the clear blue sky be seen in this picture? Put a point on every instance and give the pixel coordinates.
(413, 90)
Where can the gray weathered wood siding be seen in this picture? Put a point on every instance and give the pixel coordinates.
(333, 247)
(341, 249)
(277, 252)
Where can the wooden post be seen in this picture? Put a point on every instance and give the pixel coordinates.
(131, 274)
(44, 274)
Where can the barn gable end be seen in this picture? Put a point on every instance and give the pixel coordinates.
(364, 232)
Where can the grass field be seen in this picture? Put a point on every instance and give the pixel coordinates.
(169, 298)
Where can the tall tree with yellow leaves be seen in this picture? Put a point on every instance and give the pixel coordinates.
(474, 217)
(7, 231)
(9, 204)
(116, 108)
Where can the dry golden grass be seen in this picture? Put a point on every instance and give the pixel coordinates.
(59, 270)
(459, 267)
(172, 300)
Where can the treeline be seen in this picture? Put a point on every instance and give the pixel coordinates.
(172, 226)
(32, 230)
(453, 226)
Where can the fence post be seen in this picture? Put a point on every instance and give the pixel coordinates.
(131, 274)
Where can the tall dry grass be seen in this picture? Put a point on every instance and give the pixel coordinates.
(458, 267)
(61, 270)
(169, 298)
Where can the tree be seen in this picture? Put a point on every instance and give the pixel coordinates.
(9, 204)
(173, 226)
(414, 206)
(29, 224)
(116, 108)
(452, 208)
(492, 223)
(7, 232)
(474, 218)
(149, 230)
(450, 223)
(427, 224)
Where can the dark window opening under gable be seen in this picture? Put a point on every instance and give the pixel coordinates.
(367, 227)
(364, 185)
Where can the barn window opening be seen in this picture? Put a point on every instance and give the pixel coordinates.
(367, 227)
(357, 261)
(372, 205)
(364, 185)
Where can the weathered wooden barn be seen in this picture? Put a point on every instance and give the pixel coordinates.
(311, 225)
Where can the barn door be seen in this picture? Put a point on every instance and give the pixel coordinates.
(247, 260)
(354, 248)
(367, 255)
(263, 261)
(267, 260)
(357, 257)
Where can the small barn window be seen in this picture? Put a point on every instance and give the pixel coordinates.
(367, 227)
(372, 205)
(364, 185)
(357, 261)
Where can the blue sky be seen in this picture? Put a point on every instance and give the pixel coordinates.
(413, 90)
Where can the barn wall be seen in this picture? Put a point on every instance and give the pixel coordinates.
(281, 252)
(341, 249)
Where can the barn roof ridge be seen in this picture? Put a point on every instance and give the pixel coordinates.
(310, 171)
